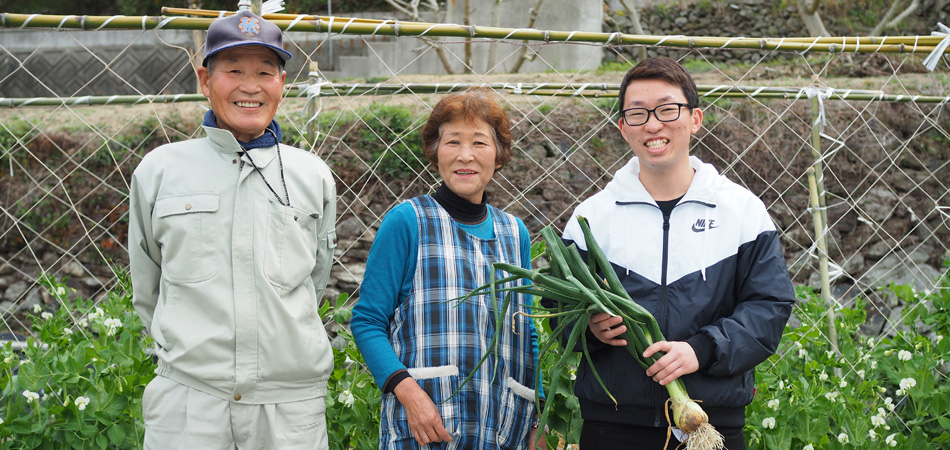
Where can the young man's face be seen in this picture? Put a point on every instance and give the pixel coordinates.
(661, 146)
(244, 89)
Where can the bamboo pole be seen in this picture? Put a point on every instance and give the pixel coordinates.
(397, 28)
(819, 216)
(599, 90)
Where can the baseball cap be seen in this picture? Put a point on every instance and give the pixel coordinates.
(243, 28)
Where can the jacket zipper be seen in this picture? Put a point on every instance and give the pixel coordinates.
(661, 310)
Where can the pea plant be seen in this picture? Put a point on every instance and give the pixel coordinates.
(870, 393)
(78, 381)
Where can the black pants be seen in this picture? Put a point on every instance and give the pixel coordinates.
(613, 436)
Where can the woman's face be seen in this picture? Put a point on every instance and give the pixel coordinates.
(466, 157)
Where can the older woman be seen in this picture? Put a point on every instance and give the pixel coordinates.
(418, 343)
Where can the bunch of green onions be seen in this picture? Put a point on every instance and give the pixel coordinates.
(578, 289)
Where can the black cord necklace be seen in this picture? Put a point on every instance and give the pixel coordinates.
(280, 162)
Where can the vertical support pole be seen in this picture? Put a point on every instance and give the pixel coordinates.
(820, 217)
(313, 79)
(257, 6)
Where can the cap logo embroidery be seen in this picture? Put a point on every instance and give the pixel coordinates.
(250, 26)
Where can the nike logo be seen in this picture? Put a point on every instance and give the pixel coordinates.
(700, 225)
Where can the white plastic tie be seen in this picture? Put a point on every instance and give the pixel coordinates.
(28, 20)
(272, 6)
(730, 41)
(570, 36)
(428, 29)
(381, 24)
(61, 22)
(313, 94)
(580, 90)
(295, 21)
(931, 61)
(813, 43)
(161, 24)
(347, 25)
(107, 22)
(821, 95)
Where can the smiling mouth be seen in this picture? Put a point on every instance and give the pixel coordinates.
(465, 172)
(657, 144)
(249, 104)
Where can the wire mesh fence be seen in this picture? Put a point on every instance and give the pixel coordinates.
(878, 148)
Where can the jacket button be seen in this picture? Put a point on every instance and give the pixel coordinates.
(234, 161)
(237, 397)
(188, 206)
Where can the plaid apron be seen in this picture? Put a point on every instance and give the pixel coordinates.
(441, 340)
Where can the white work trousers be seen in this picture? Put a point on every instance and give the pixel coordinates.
(179, 417)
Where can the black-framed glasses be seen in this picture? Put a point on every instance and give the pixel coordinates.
(666, 112)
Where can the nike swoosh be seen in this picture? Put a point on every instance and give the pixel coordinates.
(701, 229)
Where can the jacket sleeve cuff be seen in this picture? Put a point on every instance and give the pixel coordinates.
(394, 379)
(703, 347)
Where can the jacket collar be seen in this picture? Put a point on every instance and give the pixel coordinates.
(224, 142)
(627, 187)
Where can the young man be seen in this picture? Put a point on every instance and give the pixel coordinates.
(695, 249)
(231, 240)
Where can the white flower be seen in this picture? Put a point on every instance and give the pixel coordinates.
(60, 291)
(877, 420)
(872, 435)
(904, 355)
(861, 373)
(831, 396)
(83, 323)
(843, 438)
(37, 309)
(112, 323)
(768, 422)
(890, 440)
(81, 402)
(873, 363)
(938, 339)
(907, 383)
(808, 447)
(346, 397)
(46, 315)
(823, 376)
(889, 403)
(843, 383)
(1, 421)
(829, 353)
(773, 404)
(31, 396)
(8, 360)
(572, 373)
(781, 385)
(68, 331)
(802, 353)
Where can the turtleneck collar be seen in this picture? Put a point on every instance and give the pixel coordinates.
(460, 209)
(265, 140)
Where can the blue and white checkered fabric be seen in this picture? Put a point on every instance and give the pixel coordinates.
(441, 340)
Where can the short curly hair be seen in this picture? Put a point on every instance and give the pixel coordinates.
(470, 104)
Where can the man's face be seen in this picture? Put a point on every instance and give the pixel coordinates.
(244, 89)
(661, 146)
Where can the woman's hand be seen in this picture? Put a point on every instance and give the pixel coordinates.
(680, 359)
(606, 328)
(425, 422)
(536, 440)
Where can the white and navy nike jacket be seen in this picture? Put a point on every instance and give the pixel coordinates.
(713, 275)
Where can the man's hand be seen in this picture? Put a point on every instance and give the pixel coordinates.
(424, 419)
(680, 359)
(606, 328)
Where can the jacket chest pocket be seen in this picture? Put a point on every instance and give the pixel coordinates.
(185, 227)
(290, 250)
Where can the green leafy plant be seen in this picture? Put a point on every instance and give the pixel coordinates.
(78, 382)
(871, 393)
(353, 400)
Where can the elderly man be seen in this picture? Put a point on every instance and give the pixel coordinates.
(231, 240)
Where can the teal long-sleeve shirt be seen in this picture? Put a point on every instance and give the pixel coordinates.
(390, 268)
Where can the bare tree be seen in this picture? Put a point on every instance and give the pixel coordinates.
(889, 21)
(635, 21)
(411, 9)
(493, 49)
(809, 13)
(523, 56)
